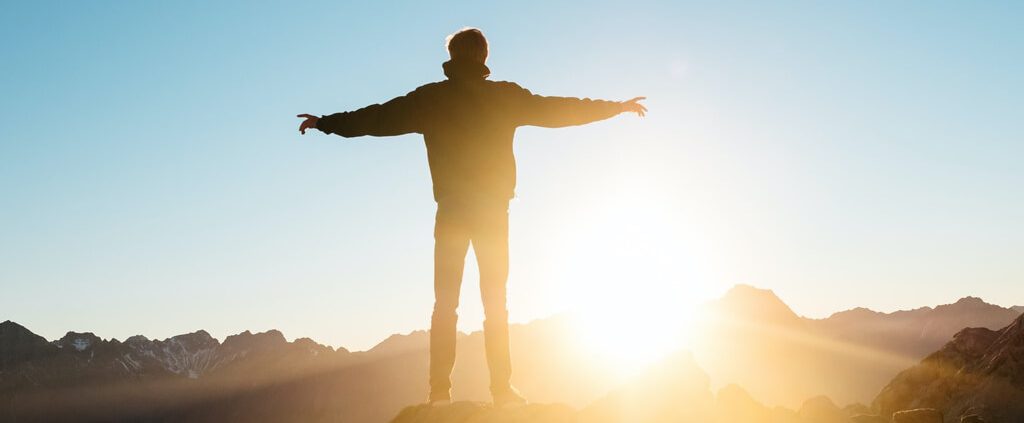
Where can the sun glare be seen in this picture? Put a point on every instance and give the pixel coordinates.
(631, 340)
(631, 280)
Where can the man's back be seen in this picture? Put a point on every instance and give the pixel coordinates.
(468, 124)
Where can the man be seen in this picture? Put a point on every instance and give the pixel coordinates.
(468, 124)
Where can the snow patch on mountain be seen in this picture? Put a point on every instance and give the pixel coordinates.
(80, 344)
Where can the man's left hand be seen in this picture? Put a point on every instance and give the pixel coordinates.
(309, 123)
(633, 105)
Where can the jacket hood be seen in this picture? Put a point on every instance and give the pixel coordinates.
(465, 69)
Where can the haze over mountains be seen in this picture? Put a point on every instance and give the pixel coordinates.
(754, 339)
(751, 339)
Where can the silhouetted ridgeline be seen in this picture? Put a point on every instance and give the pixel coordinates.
(263, 377)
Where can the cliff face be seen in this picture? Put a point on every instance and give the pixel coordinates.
(980, 372)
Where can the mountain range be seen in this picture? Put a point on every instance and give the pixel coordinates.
(752, 339)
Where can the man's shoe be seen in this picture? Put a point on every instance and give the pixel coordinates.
(509, 398)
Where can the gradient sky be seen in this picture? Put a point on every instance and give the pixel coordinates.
(152, 179)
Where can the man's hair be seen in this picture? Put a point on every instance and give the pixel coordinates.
(469, 44)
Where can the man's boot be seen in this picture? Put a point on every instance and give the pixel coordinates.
(442, 356)
(499, 361)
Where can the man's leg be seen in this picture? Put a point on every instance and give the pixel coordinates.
(490, 243)
(451, 240)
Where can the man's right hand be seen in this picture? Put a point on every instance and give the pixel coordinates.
(633, 105)
(309, 123)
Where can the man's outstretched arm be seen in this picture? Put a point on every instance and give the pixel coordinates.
(555, 112)
(398, 116)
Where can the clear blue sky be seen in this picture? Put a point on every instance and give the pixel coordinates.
(152, 180)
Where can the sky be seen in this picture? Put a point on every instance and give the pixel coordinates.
(842, 154)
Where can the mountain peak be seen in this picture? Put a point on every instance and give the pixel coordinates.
(80, 341)
(17, 343)
(316, 348)
(9, 328)
(855, 313)
(197, 337)
(970, 301)
(398, 343)
(247, 340)
(136, 339)
(745, 290)
(819, 409)
(752, 303)
(747, 295)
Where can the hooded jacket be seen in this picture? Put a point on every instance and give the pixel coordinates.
(468, 124)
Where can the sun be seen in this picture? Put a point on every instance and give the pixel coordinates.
(631, 282)
(632, 337)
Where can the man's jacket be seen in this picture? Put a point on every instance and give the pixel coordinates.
(468, 123)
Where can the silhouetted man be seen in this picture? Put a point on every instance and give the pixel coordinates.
(468, 123)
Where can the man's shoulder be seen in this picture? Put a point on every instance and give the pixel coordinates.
(431, 86)
(509, 85)
(441, 86)
(448, 82)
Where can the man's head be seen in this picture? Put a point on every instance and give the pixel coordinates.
(468, 44)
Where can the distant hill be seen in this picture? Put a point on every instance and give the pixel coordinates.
(980, 372)
(752, 338)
